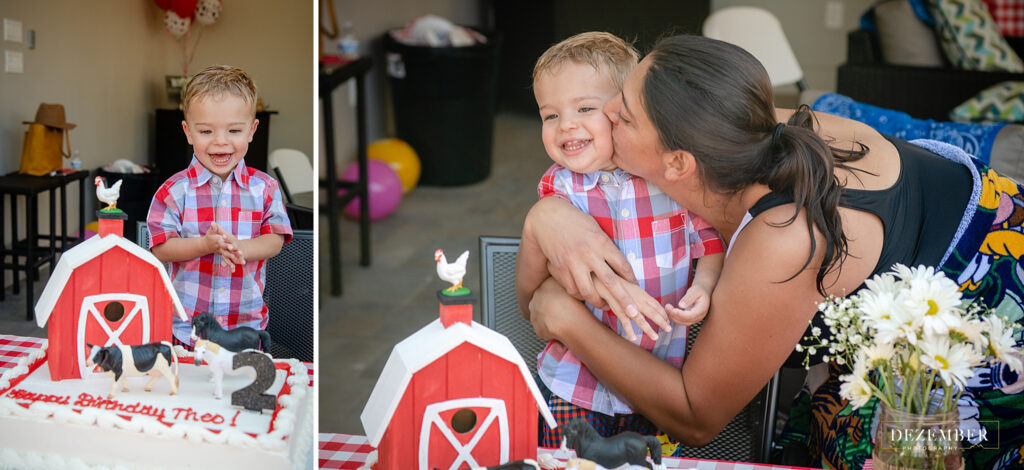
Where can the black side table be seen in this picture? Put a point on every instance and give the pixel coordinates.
(330, 78)
(36, 255)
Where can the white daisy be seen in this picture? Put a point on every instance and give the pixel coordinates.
(970, 331)
(885, 282)
(855, 387)
(921, 273)
(953, 362)
(876, 355)
(879, 304)
(936, 300)
(898, 324)
(1001, 344)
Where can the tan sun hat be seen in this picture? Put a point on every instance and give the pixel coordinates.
(51, 115)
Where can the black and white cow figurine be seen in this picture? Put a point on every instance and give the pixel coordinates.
(154, 359)
(205, 326)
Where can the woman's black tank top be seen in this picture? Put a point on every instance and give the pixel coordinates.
(920, 213)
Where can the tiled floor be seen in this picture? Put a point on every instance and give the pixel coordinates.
(395, 295)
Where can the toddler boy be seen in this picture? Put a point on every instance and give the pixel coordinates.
(572, 81)
(218, 221)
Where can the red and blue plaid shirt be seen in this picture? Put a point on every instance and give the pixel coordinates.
(247, 204)
(659, 238)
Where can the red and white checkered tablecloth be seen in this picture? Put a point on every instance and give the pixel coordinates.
(12, 348)
(348, 452)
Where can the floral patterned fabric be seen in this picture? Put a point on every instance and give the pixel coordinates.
(986, 263)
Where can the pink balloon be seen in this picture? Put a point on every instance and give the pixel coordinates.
(384, 189)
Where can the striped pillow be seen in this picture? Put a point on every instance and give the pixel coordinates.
(1002, 103)
(970, 38)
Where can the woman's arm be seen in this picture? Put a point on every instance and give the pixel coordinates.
(577, 253)
(754, 322)
(531, 270)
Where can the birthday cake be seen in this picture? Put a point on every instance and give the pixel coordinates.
(73, 424)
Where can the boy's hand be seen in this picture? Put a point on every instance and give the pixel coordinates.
(693, 307)
(238, 257)
(216, 242)
(647, 307)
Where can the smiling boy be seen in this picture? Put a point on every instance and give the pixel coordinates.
(217, 221)
(572, 81)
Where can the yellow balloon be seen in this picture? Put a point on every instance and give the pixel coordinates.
(400, 157)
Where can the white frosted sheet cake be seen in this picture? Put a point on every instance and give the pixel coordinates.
(72, 423)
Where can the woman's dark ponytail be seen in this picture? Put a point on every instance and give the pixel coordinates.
(803, 171)
(715, 100)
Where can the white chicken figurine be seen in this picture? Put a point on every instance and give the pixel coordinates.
(452, 272)
(108, 195)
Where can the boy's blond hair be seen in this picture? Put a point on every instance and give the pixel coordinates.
(216, 80)
(605, 52)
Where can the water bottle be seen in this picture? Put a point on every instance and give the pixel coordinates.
(76, 163)
(348, 45)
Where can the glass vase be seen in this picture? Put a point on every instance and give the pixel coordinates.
(915, 441)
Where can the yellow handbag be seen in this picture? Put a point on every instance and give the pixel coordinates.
(44, 141)
(42, 150)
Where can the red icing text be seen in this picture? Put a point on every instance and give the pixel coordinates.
(86, 400)
(23, 395)
(188, 414)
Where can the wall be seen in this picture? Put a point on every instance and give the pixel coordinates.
(370, 20)
(106, 62)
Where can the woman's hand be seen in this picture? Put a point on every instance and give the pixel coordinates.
(580, 256)
(650, 308)
(552, 310)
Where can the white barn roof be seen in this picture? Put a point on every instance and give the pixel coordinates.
(85, 252)
(424, 347)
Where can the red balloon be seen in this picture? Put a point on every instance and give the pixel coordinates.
(184, 8)
(163, 4)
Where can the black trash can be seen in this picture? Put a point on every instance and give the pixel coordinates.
(137, 190)
(444, 100)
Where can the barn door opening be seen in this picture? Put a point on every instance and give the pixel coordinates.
(111, 319)
(458, 433)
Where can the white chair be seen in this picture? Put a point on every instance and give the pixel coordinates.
(293, 171)
(758, 32)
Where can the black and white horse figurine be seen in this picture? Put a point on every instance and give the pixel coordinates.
(205, 326)
(154, 359)
(610, 452)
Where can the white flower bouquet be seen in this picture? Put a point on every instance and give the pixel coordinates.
(913, 344)
(910, 340)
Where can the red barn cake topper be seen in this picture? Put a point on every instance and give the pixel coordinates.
(455, 394)
(104, 291)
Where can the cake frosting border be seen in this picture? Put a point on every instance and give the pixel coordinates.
(283, 421)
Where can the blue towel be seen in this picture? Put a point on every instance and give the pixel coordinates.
(975, 139)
